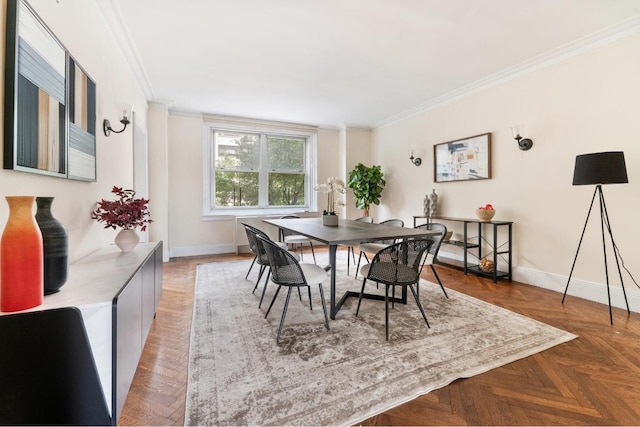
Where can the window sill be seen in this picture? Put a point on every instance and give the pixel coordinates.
(236, 213)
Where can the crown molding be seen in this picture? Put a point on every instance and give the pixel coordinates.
(609, 35)
(113, 17)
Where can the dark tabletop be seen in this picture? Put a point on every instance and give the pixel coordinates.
(347, 231)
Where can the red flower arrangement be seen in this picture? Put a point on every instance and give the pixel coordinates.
(127, 212)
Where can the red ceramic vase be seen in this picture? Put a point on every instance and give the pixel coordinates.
(21, 257)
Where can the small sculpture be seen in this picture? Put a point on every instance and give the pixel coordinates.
(426, 205)
(433, 204)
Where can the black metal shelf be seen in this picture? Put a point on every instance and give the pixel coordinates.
(478, 247)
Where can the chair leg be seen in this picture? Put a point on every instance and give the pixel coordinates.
(313, 252)
(250, 267)
(361, 293)
(272, 301)
(264, 288)
(348, 260)
(324, 306)
(435, 273)
(424, 316)
(358, 266)
(262, 267)
(284, 313)
(308, 289)
(299, 294)
(386, 312)
(393, 297)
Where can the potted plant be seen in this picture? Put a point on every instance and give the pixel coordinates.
(127, 213)
(332, 187)
(367, 184)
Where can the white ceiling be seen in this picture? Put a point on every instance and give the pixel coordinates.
(346, 62)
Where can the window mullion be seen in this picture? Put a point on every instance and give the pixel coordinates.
(263, 177)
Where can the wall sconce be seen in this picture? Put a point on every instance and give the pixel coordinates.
(415, 160)
(126, 114)
(523, 143)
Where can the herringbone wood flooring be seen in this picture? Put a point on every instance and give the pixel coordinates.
(593, 380)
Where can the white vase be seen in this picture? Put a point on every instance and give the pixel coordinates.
(126, 240)
(330, 220)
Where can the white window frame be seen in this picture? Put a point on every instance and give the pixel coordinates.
(208, 185)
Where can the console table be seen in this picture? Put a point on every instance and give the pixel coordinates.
(117, 295)
(467, 246)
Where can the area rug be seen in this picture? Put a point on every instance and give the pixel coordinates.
(238, 375)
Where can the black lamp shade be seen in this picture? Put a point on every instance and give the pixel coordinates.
(600, 168)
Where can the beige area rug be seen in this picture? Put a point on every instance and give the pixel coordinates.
(238, 375)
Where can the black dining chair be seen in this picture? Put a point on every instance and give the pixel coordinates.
(397, 265)
(374, 247)
(287, 271)
(432, 255)
(260, 257)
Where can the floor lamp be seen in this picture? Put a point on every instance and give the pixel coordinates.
(598, 169)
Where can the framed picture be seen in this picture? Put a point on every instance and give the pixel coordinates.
(82, 123)
(463, 159)
(50, 102)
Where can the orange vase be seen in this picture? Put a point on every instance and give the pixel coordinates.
(21, 257)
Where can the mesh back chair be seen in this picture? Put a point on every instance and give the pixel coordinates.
(350, 253)
(432, 255)
(374, 247)
(286, 271)
(397, 265)
(260, 256)
(290, 238)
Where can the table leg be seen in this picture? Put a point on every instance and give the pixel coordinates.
(332, 264)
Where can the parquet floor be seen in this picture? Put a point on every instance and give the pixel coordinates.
(593, 380)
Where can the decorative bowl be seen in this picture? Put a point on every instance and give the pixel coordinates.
(485, 214)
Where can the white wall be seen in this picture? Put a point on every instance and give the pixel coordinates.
(190, 233)
(80, 27)
(585, 103)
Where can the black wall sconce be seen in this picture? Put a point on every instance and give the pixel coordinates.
(415, 160)
(126, 114)
(523, 143)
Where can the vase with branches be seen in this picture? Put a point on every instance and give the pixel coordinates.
(126, 212)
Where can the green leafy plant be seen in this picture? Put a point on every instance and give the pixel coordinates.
(367, 184)
(126, 212)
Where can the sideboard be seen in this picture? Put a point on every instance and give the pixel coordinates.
(117, 295)
(495, 249)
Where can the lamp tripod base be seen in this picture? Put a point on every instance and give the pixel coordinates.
(604, 224)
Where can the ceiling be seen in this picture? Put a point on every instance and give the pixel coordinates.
(360, 63)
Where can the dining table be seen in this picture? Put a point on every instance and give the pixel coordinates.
(348, 232)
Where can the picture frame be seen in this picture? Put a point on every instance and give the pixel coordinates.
(463, 159)
(43, 86)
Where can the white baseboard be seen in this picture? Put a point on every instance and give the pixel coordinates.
(182, 251)
(591, 291)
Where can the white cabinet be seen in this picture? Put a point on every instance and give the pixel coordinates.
(117, 294)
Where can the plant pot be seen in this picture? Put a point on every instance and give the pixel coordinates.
(330, 220)
(126, 240)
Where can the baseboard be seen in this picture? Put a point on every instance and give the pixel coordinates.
(591, 291)
(183, 251)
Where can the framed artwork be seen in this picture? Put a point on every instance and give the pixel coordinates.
(49, 101)
(463, 159)
(82, 123)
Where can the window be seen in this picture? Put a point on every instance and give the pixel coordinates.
(251, 171)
